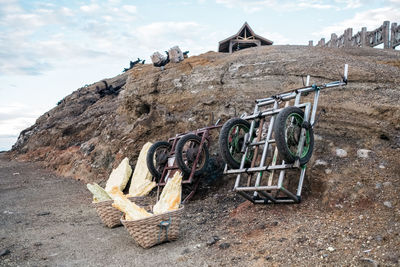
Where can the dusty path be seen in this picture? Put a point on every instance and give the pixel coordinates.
(47, 220)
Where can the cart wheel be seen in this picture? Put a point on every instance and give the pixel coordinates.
(157, 158)
(186, 152)
(231, 141)
(287, 128)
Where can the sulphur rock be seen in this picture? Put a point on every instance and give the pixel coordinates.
(99, 194)
(131, 210)
(141, 183)
(119, 176)
(171, 195)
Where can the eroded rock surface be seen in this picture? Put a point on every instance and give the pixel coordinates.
(95, 127)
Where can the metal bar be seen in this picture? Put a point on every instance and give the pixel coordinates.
(246, 196)
(262, 142)
(275, 157)
(265, 150)
(270, 112)
(314, 108)
(301, 180)
(256, 188)
(292, 94)
(286, 201)
(242, 162)
(266, 195)
(260, 169)
(287, 192)
(255, 155)
(281, 175)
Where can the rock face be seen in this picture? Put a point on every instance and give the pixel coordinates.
(95, 127)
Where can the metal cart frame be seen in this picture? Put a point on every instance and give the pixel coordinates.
(262, 189)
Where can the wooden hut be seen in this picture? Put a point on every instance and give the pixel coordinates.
(244, 38)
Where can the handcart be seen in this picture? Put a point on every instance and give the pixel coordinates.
(277, 138)
(187, 152)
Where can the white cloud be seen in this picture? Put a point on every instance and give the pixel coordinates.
(129, 8)
(371, 19)
(253, 6)
(89, 8)
(16, 117)
(162, 35)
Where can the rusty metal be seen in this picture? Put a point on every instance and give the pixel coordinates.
(171, 168)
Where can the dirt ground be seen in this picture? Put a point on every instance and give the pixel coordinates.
(47, 220)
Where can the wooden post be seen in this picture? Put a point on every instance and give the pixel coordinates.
(322, 42)
(310, 43)
(385, 33)
(230, 46)
(364, 37)
(334, 40)
(348, 33)
(393, 35)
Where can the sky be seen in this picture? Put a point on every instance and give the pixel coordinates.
(48, 49)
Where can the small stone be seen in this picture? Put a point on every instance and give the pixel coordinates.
(317, 137)
(363, 153)
(378, 186)
(324, 255)
(212, 240)
(44, 213)
(4, 252)
(387, 184)
(224, 245)
(370, 261)
(341, 153)
(381, 166)
(331, 249)
(319, 162)
(275, 223)
(185, 251)
(387, 204)
(328, 171)
(268, 258)
(37, 244)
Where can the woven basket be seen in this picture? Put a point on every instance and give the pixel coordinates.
(109, 215)
(156, 229)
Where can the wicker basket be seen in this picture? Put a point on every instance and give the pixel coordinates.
(110, 215)
(156, 229)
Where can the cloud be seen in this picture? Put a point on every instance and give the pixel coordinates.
(371, 19)
(15, 117)
(129, 8)
(89, 8)
(253, 6)
(48, 36)
(163, 35)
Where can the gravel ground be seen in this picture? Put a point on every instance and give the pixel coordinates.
(47, 220)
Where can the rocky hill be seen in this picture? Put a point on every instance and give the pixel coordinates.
(354, 171)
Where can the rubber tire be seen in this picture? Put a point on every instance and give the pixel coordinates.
(150, 156)
(224, 142)
(279, 129)
(179, 155)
